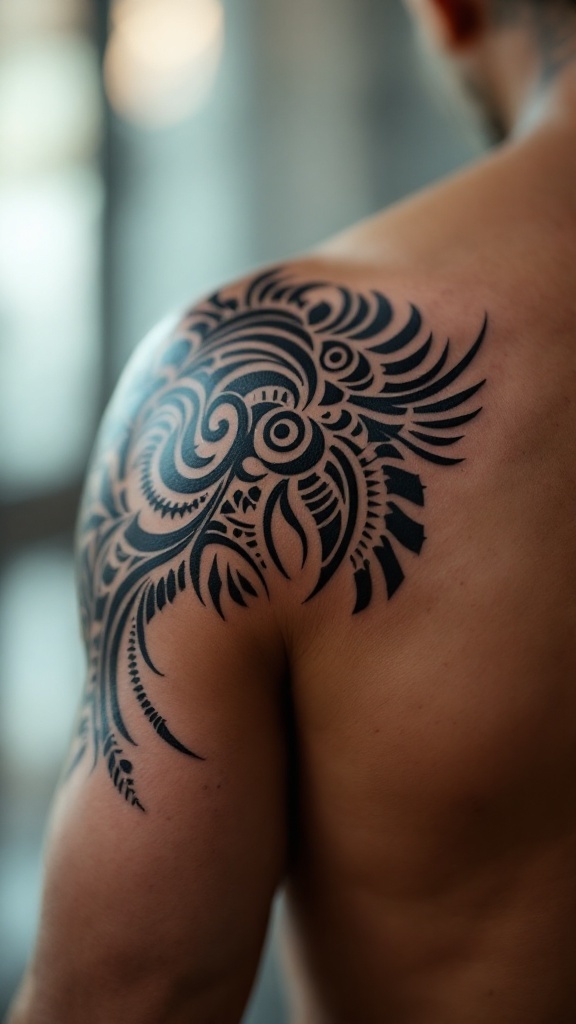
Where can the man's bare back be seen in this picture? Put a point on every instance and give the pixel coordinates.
(369, 691)
(434, 880)
(435, 872)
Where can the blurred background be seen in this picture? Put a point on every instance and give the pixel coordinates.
(149, 150)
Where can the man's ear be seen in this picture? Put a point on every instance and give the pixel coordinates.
(451, 24)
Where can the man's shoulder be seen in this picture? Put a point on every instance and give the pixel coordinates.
(289, 422)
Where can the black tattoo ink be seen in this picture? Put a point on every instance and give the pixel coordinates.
(302, 404)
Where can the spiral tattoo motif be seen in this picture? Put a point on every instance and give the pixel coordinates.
(302, 403)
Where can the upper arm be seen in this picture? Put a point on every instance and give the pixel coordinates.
(168, 835)
(268, 448)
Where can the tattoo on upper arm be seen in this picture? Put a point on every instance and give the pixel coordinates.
(299, 405)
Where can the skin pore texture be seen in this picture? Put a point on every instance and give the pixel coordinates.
(326, 565)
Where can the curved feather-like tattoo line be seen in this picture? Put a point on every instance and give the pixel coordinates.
(302, 403)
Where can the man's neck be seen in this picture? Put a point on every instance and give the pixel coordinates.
(538, 87)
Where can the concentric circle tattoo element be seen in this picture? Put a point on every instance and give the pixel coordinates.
(299, 403)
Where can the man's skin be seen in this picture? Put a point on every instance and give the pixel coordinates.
(398, 749)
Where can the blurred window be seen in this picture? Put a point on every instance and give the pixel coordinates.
(50, 204)
(51, 221)
(42, 662)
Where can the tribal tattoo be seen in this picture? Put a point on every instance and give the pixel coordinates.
(304, 405)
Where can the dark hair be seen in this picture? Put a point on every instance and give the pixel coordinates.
(508, 10)
(508, 6)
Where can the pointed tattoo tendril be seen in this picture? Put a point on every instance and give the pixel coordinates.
(303, 404)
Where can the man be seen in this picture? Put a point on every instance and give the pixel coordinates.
(327, 566)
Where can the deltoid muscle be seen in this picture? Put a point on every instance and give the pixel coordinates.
(299, 405)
